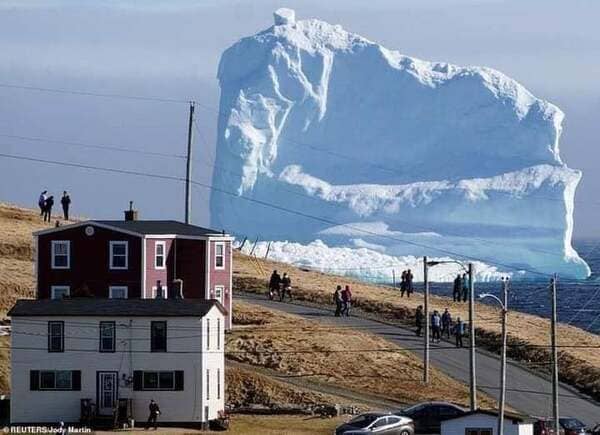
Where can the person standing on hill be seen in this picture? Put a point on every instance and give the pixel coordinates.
(48, 209)
(66, 202)
(403, 285)
(42, 201)
(274, 284)
(446, 322)
(346, 300)
(337, 299)
(419, 320)
(465, 287)
(456, 289)
(409, 283)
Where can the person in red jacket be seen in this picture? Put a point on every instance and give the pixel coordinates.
(346, 300)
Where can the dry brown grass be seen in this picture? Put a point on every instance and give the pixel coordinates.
(528, 334)
(294, 346)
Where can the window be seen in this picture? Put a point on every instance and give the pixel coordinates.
(207, 384)
(65, 380)
(219, 334)
(218, 383)
(117, 292)
(61, 254)
(59, 291)
(158, 380)
(380, 423)
(208, 333)
(158, 339)
(118, 255)
(56, 336)
(107, 336)
(159, 255)
(219, 255)
(219, 289)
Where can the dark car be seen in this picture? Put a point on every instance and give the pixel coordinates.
(428, 416)
(568, 426)
(377, 422)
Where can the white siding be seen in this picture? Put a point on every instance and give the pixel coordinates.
(457, 426)
(185, 351)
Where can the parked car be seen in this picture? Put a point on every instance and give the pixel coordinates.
(568, 426)
(595, 430)
(377, 423)
(428, 416)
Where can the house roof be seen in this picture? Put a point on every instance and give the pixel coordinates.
(518, 418)
(144, 227)
(114, 307)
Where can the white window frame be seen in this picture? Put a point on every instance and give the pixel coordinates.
(54, 288)
(221, 289)
(118, 287)
(165, 291)
(164, 255)
(222, 244)
(61, 242)
(117, 243)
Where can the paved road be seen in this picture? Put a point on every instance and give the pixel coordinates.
(526, 392)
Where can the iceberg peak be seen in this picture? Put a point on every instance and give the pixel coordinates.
(284, 16)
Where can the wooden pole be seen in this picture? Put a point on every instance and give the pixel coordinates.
(555, 413)
(472, 373)
(503, 361)
(426, 313)
(188, 171)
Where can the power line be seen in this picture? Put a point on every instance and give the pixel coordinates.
(94, 94)
(269, 205)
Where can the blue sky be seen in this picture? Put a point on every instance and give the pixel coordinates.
(171, 49)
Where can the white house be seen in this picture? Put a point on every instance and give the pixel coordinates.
(169, 350)
(483, 422)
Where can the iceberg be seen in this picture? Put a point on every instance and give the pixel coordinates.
(325, 135)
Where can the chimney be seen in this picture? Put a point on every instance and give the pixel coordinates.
(131, 214)
(178, 288)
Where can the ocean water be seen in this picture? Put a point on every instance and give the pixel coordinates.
(578, 301)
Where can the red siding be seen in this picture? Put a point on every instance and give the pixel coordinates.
(190, 266)
(166, 275)
(89, 262)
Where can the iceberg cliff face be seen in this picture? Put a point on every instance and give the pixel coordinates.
(408, 155)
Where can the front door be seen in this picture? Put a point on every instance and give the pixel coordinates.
(107, 392)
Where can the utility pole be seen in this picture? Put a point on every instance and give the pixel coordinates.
(503, 360)
(426, 312)
(554, 360)
(472, 376)
(188, 172)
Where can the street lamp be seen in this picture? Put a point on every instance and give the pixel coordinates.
(504, 304)
(471, 272)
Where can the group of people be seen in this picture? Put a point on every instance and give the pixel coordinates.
(460, 288)
(46, 202)
(342, 300)
(406, 283)
(280, 286)
(440, 325)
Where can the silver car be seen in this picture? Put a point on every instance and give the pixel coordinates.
(377, 423)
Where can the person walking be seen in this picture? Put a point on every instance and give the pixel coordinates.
(48, 209)
(66, 202)
(465, 287)
(436, 325)
(346, 301)
(419, 320)
(42, 201)
(456, 289)
(337, 299)
(286, 286)
(274, 284)
(458, 332)
(403, 285)
(446, 322)
(154, 413)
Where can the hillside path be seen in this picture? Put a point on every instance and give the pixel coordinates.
(526, 392)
